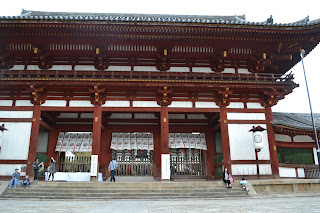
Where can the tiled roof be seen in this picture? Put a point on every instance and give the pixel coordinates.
(296, 120)
(118, 17)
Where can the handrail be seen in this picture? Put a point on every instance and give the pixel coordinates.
(138, 75)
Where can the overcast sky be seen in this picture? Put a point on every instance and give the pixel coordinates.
(283, 11)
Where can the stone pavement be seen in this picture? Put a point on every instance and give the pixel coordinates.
(305, 203)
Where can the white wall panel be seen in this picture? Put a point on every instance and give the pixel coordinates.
(251, 169)
(6, 102)
(254, 106)
(43, 139)
(16, 114)
(246, 116)
(315, 156)
(23, 103)
(206, 105)
(17, 67)
(302, 138)
(301, 173)
(241, 142)
(33, 67)
(85, 67)
(181, 104)
(80, 104)
(15, 142)
(145, 104)
(61, 67)
(287, 172)
(283, 138)
(179, 69)
(202, 69)
(243, 71)
(236, 105)
(143, 68)
(55, 103)
(117, 104)
(8, 169)
(119, 68)
(229, 70)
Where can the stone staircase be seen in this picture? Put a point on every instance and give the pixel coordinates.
(120, 190)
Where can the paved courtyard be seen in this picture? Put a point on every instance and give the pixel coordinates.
(309, 203)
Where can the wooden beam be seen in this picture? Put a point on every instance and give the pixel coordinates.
(46, 126)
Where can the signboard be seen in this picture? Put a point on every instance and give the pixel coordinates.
(94, 165)
(165, 166)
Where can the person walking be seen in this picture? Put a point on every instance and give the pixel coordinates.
(15, 178)
(52, 168)
(113, 165)
(36, 165)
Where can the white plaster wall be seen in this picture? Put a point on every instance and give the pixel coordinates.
(206, 105)
(246, 116)
(181, 104)
(302, 138)
(250, 169)
(16, 114)
(68, 115)
(117, 104)
(119, 68)
(145, 104)
(254, 106)
(229, 70)
(15, 141)
(6, 102)
(61, 67)
(80, 104)
(179, 69)
(43, 139)
(218, 142)
(202, 69)
(243, 71)
(236, 105)
(315, 156)
(283, 138)
(8, 169)
(241, 142)
(86, 115)
(143, 68)
(17, 67)
(33, 67)
(23, 103)
(85, 67)
(287, 172)
(301, 173)
(55, 103)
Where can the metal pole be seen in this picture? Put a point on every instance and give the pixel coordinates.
(313, 123)
(257, 163)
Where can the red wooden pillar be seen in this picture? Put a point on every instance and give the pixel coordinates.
(210, 154)
(33, 139)
(164, 138)
(96, 131)
(105, 152)
(53, 138)
(156, 155)
(225, 138)
(272, 144)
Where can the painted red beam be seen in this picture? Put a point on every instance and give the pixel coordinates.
(13, 161)
(296, 145)
(46, 126)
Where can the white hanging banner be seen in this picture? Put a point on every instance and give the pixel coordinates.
(133, 141)
(178, 141)
(198, 141)
(72, 142)
(59, 142)
(191, 141)
(185, 142)
(139, 140)
(79, 142)
(94, 165)
(144, 142)
(120, 141)
(126, 141)
(65, 142)
(165, 166)
(172, 143)
(150, 142)
(85, 143)
(203, 141)
(114, 141)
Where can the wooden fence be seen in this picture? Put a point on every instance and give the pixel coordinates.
(80, 163)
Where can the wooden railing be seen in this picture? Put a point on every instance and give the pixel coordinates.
(312, 172)
(134, 169)
(74, 164)
(64, 75)
(188, 169)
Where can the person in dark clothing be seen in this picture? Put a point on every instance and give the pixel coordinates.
(52, 168)
(225, 178)
(26, 182)
(36, 165)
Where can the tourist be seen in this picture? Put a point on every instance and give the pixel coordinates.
(15, 178)
(113, 165)
(26, 182)
(225, 177)
(244, 184)
(52, 168)
(36, 165)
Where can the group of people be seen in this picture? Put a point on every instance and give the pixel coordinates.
(228, 180)
(36, 167)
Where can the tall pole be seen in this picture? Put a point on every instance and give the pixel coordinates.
(302, 52)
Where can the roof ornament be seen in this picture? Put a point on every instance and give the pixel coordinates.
(270, 20)
(25, 12)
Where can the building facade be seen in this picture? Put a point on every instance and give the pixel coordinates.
(137, 86)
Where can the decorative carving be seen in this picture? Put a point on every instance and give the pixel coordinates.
(222, 96)
(98, 95)
(271, 97)
(38, 95)
(164, 98)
